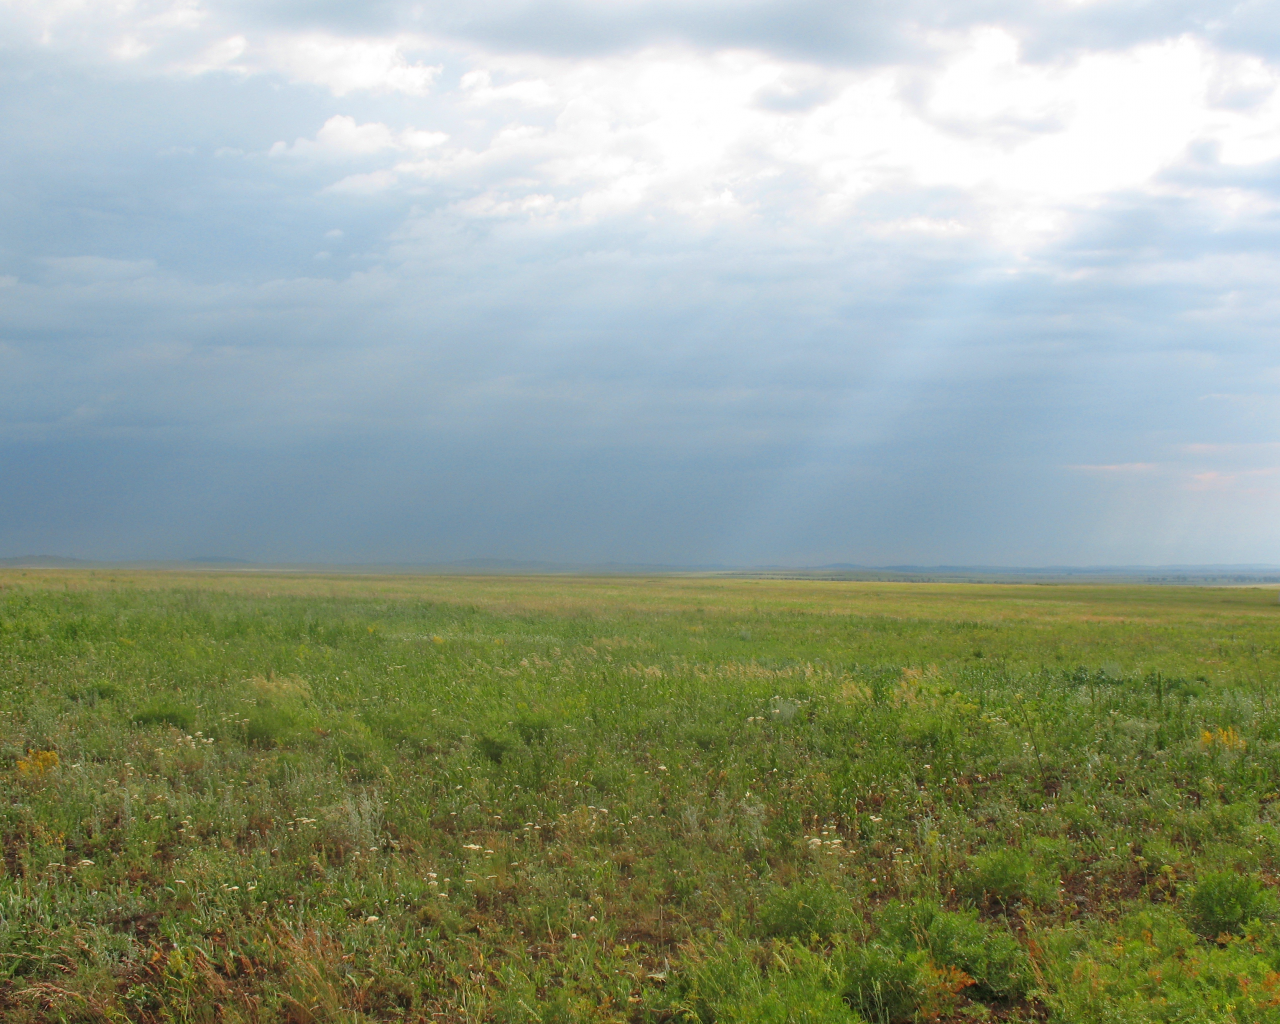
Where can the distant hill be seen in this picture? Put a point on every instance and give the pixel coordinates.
(1166, 574)
(1172, 574)
(46, 562)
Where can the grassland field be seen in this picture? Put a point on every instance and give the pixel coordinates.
(238, 797)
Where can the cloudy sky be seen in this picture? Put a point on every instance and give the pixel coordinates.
(707, 281)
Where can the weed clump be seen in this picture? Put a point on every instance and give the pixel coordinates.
(93, 692)
(1223, 903)
(1006, 875)
(729, 987)
(990, 956)
(1150, 968)
(493, 748)
(884, 982)
(37, 763)
(533, 727)
(269, 727)
(806, 909)
(165, 712)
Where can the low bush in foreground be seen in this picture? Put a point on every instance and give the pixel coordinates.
(1225, 903)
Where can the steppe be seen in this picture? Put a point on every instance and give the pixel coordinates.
(246, 796)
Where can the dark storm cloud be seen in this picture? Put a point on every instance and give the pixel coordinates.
(599, 401)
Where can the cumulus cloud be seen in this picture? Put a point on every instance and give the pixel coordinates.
(1025, 144)
(344, 65)
(341, 137)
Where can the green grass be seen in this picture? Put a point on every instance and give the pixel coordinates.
(234, 797)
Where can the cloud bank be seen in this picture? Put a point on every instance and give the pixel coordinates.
(734, 282)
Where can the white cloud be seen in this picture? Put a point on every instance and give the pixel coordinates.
(682, 128)
(222, 55)
(344, 65)
(365, 184)
(341, 137)
(186, 37)
(686, 130)
(532, 92)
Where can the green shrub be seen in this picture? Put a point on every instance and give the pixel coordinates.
(1005, 875)
(705, 989)
(533, 727)
(492, 748)
(805, 909)
(268, 726)
(990, 956)
(1080, 817)
(704, 739)
(730, 988)
(1223, 902)
(929, 732)
(165, 712)
(791, 1001)
(354, 747)
(1158, 856)
(93, 692)
(884, 983)
(1149, 968)
(408, 727)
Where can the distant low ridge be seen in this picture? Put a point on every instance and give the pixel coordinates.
(46, 562)
(1172, 574)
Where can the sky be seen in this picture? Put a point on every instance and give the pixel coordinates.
(733, 282)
